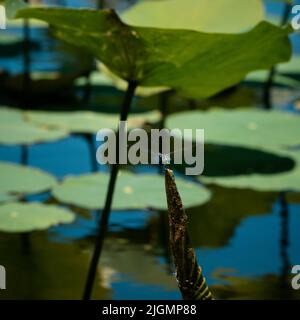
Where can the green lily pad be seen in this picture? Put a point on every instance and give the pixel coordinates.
(15, 130)
(285, 181)
(200, 15)
(132, 191)
(23, 180)
(196, 64)
(251, 128)
(88, 121)
(27, 217)
(4, 197)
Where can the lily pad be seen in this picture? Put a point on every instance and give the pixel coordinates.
(88, 121)
(200, 15)
(196, 64)
(286, 181)
(132, 191)
(4, 197)
(15, 130)
(251, 128)
(27, 217)
(23, 180)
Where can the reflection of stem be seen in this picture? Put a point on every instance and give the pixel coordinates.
(26, 63)
(164, 234)
(103, 223)
(267, 95)
(25, 237)
(284, 242)
(101, 4)
(90, 140)
(24, 155)
(25, 241)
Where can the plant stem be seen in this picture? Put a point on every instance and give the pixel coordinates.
(284, 239)
(103, 223)
(26, 63)
(267, 95)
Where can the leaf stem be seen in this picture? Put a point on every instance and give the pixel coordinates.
(267, 94)
(103, 223)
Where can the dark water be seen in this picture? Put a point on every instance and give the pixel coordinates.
(239, 235)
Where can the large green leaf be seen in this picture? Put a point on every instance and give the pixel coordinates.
(132, 191)
(200, 15)
(88, 121)
(15, 130)
(27, 217)
(285, 181)
(244, 128)
(23, 180)
(194, 63)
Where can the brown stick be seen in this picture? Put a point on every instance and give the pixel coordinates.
(189, 275)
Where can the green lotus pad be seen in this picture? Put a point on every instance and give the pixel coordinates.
(4, 197)
(244, 128)
(286, 181)
(15, 130)
(27, 217)
(195, 64)
(88, 121)
(199, 15)
(132, 191)
(19, 179)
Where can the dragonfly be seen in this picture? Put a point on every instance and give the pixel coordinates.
(163, 159)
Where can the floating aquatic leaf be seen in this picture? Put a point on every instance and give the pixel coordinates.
(132, 191)
(88, 121)
(5, 197)
(285, 181)
(200, 15)
(15, 130)
(27, 217)
(23, 180)
(244, 128)
(196, 64)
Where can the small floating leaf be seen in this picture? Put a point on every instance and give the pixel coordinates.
(244, 128)
(27, 217)
(5, 197)
(285, 181)
(88, 121)
(19, 179)
(15, 130)
(132, 191)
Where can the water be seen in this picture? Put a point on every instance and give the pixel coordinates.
(237, 236)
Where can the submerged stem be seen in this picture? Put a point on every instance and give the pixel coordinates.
(189, 275)
(103, 223)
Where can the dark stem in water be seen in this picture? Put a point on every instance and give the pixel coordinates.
(90, 140)
(26, 63)
(284, 240)
(267, 94)
(25, 236)
(103, 223)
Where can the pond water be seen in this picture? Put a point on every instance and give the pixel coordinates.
(246, 241)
